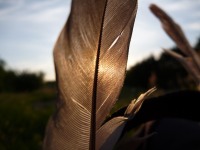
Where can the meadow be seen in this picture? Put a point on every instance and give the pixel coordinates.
(24, 117)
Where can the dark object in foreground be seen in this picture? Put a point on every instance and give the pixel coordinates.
(181, 104)
(174, 134)
(176, 121)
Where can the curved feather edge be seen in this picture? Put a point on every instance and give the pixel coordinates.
(110, 132)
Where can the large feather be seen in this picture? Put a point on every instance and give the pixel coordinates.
(90, 60)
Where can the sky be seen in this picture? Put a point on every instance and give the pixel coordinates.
(30, 28)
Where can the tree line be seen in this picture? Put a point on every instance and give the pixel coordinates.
(165, 73)
(13, 81)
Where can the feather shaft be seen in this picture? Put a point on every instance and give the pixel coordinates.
(94, 96)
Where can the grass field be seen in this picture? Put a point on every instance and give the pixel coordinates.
(23, 116)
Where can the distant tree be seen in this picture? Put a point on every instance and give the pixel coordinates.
(28, 81)
(170, 73)
(2, 74)
(166, 72)
(138, 75)
(7, 78)
(197, 46)
(11, 81)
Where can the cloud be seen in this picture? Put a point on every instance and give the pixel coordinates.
(178, 5)
(196, 14)
(34, 13)
(36, 24)
(32, 26)
(38, 5)
(44, 16)
(9, 6)
(193, 26)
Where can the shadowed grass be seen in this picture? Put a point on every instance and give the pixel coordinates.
(23, 119)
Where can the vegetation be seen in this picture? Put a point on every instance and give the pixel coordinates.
(165, 73)
(26, 102)
(13, 81)
(23, 118)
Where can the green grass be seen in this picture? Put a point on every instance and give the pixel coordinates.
(23, 117)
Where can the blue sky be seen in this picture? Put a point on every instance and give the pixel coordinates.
(29, 29)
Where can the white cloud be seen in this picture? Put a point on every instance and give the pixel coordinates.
(197, 14)
(37, 12)
(38, 5)
(193, 26)
(45, 16)
(36, 25)
(177, 5)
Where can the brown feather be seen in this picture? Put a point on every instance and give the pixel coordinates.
(90, 60)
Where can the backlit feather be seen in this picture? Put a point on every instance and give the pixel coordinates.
(90, 61)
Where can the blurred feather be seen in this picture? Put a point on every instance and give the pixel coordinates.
(135, 105)
(172, 29)
(187, 64)
(192, 63)
(90, 61)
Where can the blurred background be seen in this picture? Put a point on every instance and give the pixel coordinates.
(28, 32)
